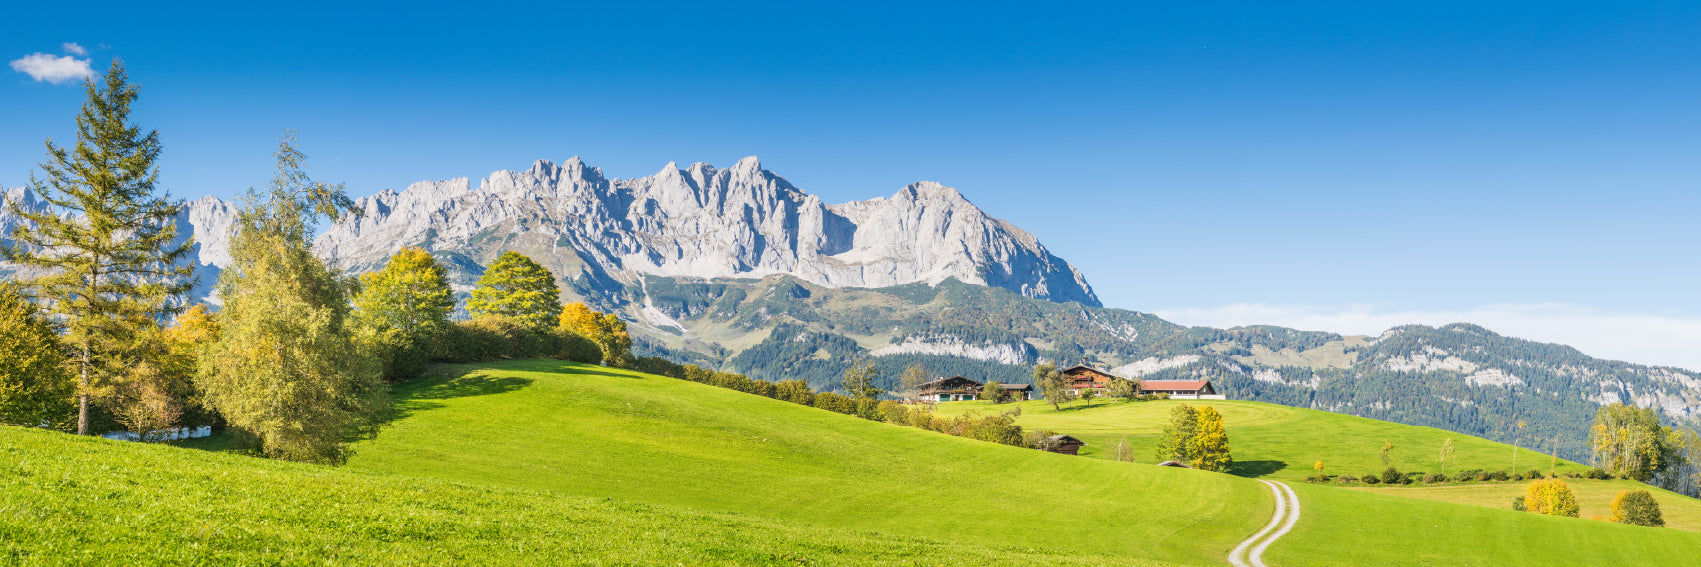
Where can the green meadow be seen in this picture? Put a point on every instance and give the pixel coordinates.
(548, 462)
(1271, 441)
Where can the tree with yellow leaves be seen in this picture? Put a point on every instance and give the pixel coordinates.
(604, 329)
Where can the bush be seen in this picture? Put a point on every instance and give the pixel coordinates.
(835, 403)
(659, 367)
(894, 412)
(1519, 476)
(1434, 478)
(1599, 474)
(1551, 497)
(1534, 474)
(1496, 475)
(1518, 503)
(579, 348)
(1463, 476)
(1346, 479)
(1392, 476)
(1370, 479)
(1637, 508)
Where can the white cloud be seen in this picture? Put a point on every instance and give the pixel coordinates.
(1643, 339)
(56, 70)
(74, 49)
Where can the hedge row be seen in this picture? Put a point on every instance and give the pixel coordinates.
(1393, 477)
(1000, 428)
(497, 337)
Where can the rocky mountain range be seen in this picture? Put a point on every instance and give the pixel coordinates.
(736, 268)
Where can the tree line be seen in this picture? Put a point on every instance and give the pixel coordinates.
(299, 357)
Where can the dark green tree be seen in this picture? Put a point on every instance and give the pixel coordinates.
(1637, 508)
(516, 286)
(113, 266)
(859, 380)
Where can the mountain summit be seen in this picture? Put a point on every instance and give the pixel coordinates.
(702, 222)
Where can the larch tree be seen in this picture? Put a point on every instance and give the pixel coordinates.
(35, 389)
(1446, 454)
(516, 286)
(288, 371)
(405, 305)
(913, 376)
(108, 247)
(1210, 448)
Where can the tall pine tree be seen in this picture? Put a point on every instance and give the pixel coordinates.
(114, 265)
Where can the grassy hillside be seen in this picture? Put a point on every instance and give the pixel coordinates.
(1268, 440)
(590, 431)
(493, 466)
(67, 500)
(1593, 496)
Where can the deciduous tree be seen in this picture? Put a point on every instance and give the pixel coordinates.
(1637, 508)
(1552, 497)
(912, 378)
(1446, 453)
(1629, 442)
(992, 391)
(859, 380)
(287, 371)
(35, 389)
(406, 304)
(1051, 384)
(516, 286)
(1210, 448)
(108, 248)
(604, 329)
(1176, 441)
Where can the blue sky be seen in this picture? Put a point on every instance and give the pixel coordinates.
(1339, 166)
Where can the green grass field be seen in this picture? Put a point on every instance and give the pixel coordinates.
(1593, 496)
(556, 463)
(1267, 440)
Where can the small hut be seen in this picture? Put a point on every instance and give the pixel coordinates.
(1064, 444)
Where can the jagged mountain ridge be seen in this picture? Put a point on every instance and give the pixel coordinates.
(602, 234)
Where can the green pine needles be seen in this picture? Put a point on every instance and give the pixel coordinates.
(518, 287)
(113, 266)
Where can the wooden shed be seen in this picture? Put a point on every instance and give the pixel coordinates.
(1065, 444)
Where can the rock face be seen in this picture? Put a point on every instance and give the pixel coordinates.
(701, 222)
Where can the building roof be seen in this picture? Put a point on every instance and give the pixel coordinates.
(1066, 439)
(1079, 368)
(1174, 384)
(942, 381)
(1020, 387)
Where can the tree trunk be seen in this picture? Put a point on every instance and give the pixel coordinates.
(83, 396)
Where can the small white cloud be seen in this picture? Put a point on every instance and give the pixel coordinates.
(74, 49)
(1640, 338)
(56, 70)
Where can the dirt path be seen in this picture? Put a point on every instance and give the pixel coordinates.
(1287, 513)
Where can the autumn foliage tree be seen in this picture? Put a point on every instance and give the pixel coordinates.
(518, 287)
(605, 329)
(1550, 496)
(1629, 442)
(35, 388)
(1210, 449)
(1637, 508)
(1176, 441)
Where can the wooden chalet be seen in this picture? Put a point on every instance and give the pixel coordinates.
(1064, 444)
(958, 388)
(1082, 377)
(1183, 389)
(953, 389)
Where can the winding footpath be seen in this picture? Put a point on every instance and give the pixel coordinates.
(1287, 513)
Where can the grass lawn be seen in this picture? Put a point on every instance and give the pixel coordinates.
(68, 500)
(591, 431)
(1268, 440)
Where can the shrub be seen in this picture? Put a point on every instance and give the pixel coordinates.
(922, 416)
(1463, 476)
(1599, 474)
(835, 403)
(659, 367)
(1518, 476)
(894, 412)
(1551, 497)
(1346, 479)
(1518, 503)
(1391, 476)
(794, 391)
(1370, 479)
(1482, 476)
(1637, 508)
(1534, 474)
(578, 348)
(1496, 475)
(1434, 478)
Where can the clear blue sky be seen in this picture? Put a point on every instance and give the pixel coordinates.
(1319, 160)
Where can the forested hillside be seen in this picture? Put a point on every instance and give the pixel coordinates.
(1459, 377)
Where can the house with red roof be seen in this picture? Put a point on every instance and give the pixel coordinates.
(1182, 389)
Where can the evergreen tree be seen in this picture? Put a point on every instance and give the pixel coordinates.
(1176, 441)
(405, 305)
(287, 371)
(1209, 446)
(35, 388)
(516, 286)
(859, 380)
(113, 265)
